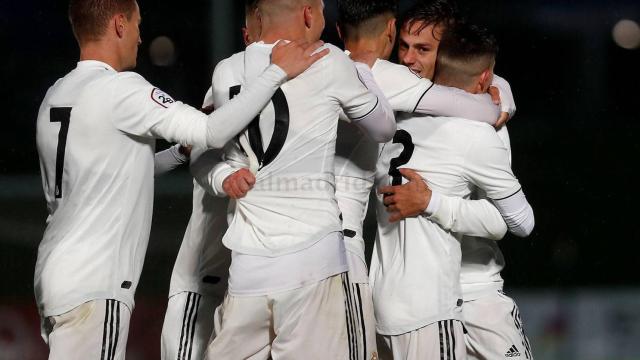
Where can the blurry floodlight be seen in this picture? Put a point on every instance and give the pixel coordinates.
(162, 51)
(626, 34)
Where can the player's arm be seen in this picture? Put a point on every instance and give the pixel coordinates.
(222, 175)
(467, 217)
(142, 110)
(170, 159)
(488, 166)
(361, 99)
(408, 92)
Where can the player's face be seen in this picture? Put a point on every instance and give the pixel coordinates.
(418, 48)
(131, 39)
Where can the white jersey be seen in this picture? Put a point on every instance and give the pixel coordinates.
(356, 154)
(415, 270)
(96, 134)
(482, 260)
(292, 204)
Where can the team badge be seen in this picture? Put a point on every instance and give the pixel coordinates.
(161, 98)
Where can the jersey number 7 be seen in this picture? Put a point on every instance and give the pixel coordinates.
(63, 116)
(280, 131)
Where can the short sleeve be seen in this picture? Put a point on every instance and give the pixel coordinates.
(487, 165)
(403, 88)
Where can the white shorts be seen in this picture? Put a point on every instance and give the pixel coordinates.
(305, 323)
(188, 325)
(95, 330)
(494, 329)
(361, 321)
(443, 340)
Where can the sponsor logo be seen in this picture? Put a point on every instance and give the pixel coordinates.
(513, 352)
(161, 98)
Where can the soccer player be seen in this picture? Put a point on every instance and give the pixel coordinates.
(454, 156)
(492, 319)
(201, 270)
(285, 296)
(96, 132)
(368, 31)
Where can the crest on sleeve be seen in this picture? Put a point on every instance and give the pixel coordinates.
(161, 98)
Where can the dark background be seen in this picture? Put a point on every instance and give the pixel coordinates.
(574, 138)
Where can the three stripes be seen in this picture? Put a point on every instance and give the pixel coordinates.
(188, 325)
(447, 340)
(111, 330)
(355, 319)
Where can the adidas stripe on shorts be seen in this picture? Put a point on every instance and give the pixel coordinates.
(97, 329)
(361, 322)
(495, 329)
(188, 326)
(443, 340)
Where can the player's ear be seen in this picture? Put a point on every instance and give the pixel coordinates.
(391, 31)
(485, 80)
(120, 23)
(308, 16)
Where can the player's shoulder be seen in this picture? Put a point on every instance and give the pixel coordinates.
(228, 66)
(335, 55)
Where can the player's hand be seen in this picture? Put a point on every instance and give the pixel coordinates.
(295, 57)
(495, 97)
(238, 184)
(408, 200)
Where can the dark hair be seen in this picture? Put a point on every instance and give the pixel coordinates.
(431, 12)
(251, 4)
(354, 12)
(465, 42)
(89, 18)
(465, 51)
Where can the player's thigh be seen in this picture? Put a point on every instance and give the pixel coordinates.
(94, 330)
(187, 327)
(495, 329)
(441, 340)
(361, 322)
(310, 322)
(243, 329)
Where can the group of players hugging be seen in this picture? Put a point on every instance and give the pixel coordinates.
(292, 138)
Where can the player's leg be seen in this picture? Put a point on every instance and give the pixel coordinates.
(309, 322)
(442, 340)
(361, 322)
(494, 329)
(187, 327)
(94, 330)
(243, 329)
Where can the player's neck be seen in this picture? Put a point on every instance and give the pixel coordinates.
(271, 35)
(100, 52)
(364, 46)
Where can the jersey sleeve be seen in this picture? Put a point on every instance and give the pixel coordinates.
(487, 165)
(346, 87)
(403, 88)
(469, 217)
(141, 109)
(168, 160)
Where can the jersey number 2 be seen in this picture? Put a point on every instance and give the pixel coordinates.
(63, 116)
(404, 138)
(280, 132)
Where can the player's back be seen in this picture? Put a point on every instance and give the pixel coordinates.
(416, 264)
(98, 183)
(292, 204)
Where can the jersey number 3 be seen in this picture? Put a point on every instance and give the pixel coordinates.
(63, 116)
(280, 131)
(404, 138)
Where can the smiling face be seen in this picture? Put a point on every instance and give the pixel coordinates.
(418, 47)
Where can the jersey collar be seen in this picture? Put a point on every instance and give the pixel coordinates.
(95, 64)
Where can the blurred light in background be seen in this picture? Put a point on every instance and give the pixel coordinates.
(626, 34)
(162, 51)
